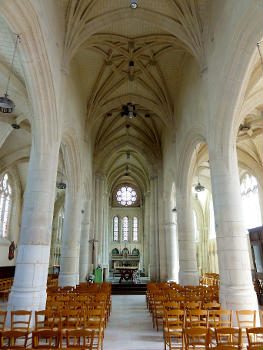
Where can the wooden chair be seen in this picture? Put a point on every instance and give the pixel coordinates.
(220, 318)
(174, 321)
(80, 339)
(46, 339)
(246, 319)
(255, 337)
(46, 319)
(197, 318)
(228, 337)
(20, 320)
(94, 322)
(158, 312)
(13, 339)
(197, 338)
(2, 319)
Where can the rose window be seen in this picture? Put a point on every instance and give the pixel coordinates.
(126, 196)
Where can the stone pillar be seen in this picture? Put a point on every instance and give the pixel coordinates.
(84, 254)
(29, 288)
(146, 233)
(99, 191)
(171, 251)
(154, 231)
(188, 274)
(69, 261)
(236, 288)
(106, 234)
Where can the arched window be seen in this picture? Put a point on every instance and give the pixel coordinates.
(5, 205)
(115, 228)
(250, 200)
(60, 223)
(135, 229)
(125, 228)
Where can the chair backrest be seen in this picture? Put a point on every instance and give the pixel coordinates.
(228, 336)
(255, 336)
(192, 305)
(197, 338)
(46, 339)
(80, 339)
(171, 305)
(212, 306)
(198, 318)
(45, 319)
(2, 319)
(220, 318)
(246, 318)
(20, 320)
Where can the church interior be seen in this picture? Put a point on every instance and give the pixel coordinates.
(131, 156)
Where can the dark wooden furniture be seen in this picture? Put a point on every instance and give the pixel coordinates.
(126, 272)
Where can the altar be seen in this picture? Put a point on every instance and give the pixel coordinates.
(126, 272)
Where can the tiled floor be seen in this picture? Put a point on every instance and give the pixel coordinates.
(130, 325)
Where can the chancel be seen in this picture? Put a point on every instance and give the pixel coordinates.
(131, 156)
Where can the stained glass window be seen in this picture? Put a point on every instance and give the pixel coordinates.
(5, 205)
(125, 228)
(126, 195)
(115, 228)
(135, 229)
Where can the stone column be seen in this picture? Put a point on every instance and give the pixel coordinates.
(236, 288)
(29, 288)
(188, 274)
(99, 191)
(106, 234)
(84, 254)
(69, 261)
(154, 231)
(171, 251)
(146, 233)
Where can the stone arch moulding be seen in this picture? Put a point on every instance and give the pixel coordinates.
(184, 164)
(71, 153)
(239, 70)
(23, 19)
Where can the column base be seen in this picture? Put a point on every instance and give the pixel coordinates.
(189, 278)
(68, 280)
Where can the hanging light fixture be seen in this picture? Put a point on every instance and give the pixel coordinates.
(61, 185)
(6, 104)
(198, 187)
(133, 4)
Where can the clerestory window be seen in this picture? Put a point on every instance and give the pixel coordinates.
(5, 205)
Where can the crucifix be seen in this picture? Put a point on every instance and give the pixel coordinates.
(93, 240)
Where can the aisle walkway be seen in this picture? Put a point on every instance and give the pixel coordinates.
(130, 325)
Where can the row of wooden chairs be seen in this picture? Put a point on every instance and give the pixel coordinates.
(201, 338)
(5, 287)
(48, 339)
(92, 320)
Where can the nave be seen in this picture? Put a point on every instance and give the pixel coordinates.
(130, 325)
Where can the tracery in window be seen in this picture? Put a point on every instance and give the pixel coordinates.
(5, 205)
(125, 228)
(250, 200)
(135, 229)
(126, 196)
(116, 228)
